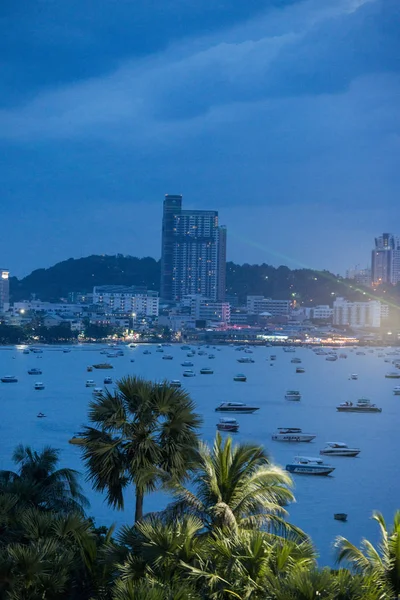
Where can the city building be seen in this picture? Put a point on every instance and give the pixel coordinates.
(385, 265)
(4, 290)
(357, 314)
(322, 312)
(360, 276)
(135, 300)
(193, 254)
(258, 304)
(204, 309)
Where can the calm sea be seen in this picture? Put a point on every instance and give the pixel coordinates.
(357, 486)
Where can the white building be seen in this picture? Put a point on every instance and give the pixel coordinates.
(4, 290)
(357, 314)
(48, 307)
(323, 312)
(202, 308)
(258, 304)
(135, 300)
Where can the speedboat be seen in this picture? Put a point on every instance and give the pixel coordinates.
(300, 370)
(107, 380)
(175, 383)
(292, 434)
(187, 363)
(293, 395)
(353, 376)
(228, 425)
(34, 371)
(90, 383)
(206, 371)
(238, 407)
(303, 465)
(339, 449)
(396, 390)
(189, 373)
(240, 377)
(245, 359)
(393, 375)
(362, 405)
(296, 361)
(39, 385)
(167, 357)
(40, 415)
(9, 379)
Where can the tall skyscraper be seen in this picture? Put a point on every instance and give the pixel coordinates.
(4, 290)
(193, 255)
(385, 264)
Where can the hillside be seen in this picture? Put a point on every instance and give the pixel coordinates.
(80, 275)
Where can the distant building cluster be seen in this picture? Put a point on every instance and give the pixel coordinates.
(385, 263)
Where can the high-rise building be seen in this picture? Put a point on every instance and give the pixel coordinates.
(193, 255)
(385, 265)
(4, 290)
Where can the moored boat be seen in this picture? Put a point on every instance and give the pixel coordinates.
(167, 357)
(89, 369)
(206, 371)
(353, 376)
(97, 391)
(396, 390)
(227, 424)
(189, 373)
(107, 380)
(240, 377)
(292, 434)
(245, 359)
(303, 465)
(300, 370)
(9, 379)
(35, 371)
(340, 516)
(175, 383)
(187, 363)
(393, 375)
(296, 361)
(362, 405)
(39, 385)
(103, 366)
(90, 383)
(293, 395)
(339, 449)
(238, 407)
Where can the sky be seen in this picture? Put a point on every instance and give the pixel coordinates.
(283, 115)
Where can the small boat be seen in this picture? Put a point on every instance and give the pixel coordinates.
(36, 351)
(190, 354)
(89, 369)
(292, 434)
(202, 353)
(90, 383)
(303, 465)
(132, 345)
(175, 383)
(146, 352)
(132, 360)
(187, 363)
(103, 366)
(35, 371)
(107, 380)
(339, 449)
(211, 356)
(185, 347)
(159, 350)
(353, 376)
(396, 390)
(66, 350)
(40, 415)
(98, 391)
(26, 351)
(296, 361)
(289, 349)
(76, 440)
(39, 385)
(189, 373)
(293, 395)
(342, 355)
(360, 353)
(300, 370)
(167, 357)
(340, 516)
(238, 407)
(393, 375)
(272, 357)
(331, 358)
(206, 371)
(9, 379)
(245, 359)
(240, 377)
(230, 425)
(362, 405)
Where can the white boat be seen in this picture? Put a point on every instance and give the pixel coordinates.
(107, 380)
(331, 357)
(39, 385)
(187, 363)
(362, 405)
(396, 390)
(97, 391)
(292, 434)
(245, 359)
(393, 375)
(240, 377)
(293, 395)
(342, 355)
(175, 383)
(353, 376)
(35, 371)
(339, 449)
(90, 383)
(167, 357)
(206, 371)
(189, 373)
(300, 370)
(9, 379)
(227, 424)
(303, 465)
(289, 349)
(238, 407)
(36, 351)
(159, 350)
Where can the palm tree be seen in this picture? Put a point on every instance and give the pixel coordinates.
(39, 483)
(236, 487)
(382, 563)
(143, 432)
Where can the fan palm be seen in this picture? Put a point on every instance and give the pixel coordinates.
(235, 486)
(142, 433)
(39, 483)
(382, 563)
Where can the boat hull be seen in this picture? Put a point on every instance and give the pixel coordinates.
(349, 453)
(242, 411)
(307, 470)
(354, 409)
(229, 428)
(292, 437)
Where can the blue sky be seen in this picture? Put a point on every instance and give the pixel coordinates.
(282, 114)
